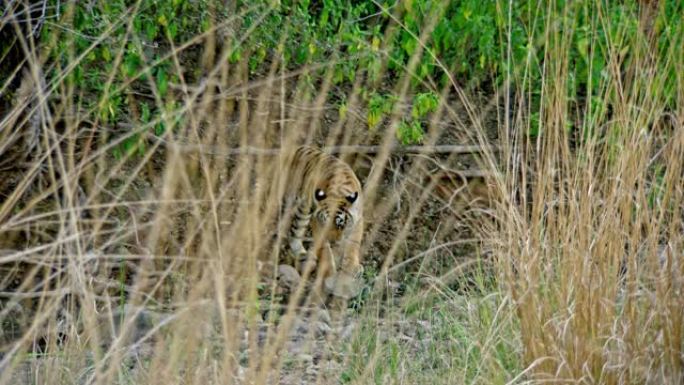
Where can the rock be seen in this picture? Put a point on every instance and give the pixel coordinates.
(312, 371)
(240, 375)
(343, 285)
(294, 348)
(394, 287)
(288, 276)
(322, 329)
(383, 336)
(324, 316)
(348, 331)
(299, 329)
(331, 366)
(263, 335)
(425, 325)
(310, 374)
(406, 338)
(318, 354)
(305, 358)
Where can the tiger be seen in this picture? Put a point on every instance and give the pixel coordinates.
(325, 196)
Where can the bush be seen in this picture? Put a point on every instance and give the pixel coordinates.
(477, 44)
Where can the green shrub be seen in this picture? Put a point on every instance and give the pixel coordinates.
(109, 50)
(479, 43)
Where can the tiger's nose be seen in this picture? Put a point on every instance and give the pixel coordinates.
(339, 221)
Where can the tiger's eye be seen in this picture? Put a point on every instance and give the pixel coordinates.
(352, 197)
(320, 194)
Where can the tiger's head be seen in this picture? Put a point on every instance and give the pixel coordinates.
(337, 198)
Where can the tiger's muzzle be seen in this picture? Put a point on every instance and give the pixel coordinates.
(340, 221)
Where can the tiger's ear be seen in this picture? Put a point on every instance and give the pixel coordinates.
(351, 198)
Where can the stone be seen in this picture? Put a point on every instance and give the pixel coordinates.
(305, 358)
(343, 285)
(324, 316)
(288, 277)
(348, 331)
(299, 330)
(322, 329)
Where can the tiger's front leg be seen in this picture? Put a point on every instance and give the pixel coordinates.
(300, 223)
(351, 246)
(341, 276)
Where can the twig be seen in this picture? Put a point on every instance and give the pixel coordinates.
(432, 250)
(437, 149)
(397, 149)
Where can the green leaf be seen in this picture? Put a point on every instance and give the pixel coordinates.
(301, 54)
(534, 129)
(375, 43)
(342, 110)
(129, 146)
(235, 55)
(172, 29)
(261, 54)
(323, 20)
(373, 118)
(162, 81)
(106, 54)
(159, 129)
(410, 133)
(409, 45)
(338, 75)
(137, 25)
(141, 147)
(424, 103)
(150, 30)
(131, 63)
(374, 69)
(145, 113)
(204, 25)
(582, 47)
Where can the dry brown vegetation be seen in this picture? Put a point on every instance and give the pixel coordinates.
(550, 258)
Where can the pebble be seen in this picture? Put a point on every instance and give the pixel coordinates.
(343, 286)
(305, 358)
(322, 329)
(348, 331)
(288, 276)
(299, 330)
(324, 316)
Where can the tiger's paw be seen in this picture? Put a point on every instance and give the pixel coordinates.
(344, 285)
(297, 249)
(356, 272)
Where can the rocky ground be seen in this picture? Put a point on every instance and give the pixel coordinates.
(311, 351)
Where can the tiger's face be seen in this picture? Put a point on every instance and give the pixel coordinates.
(337, 199)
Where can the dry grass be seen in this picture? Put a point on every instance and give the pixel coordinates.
(590, 243)
(160, 266)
